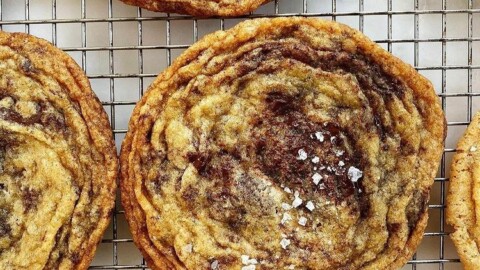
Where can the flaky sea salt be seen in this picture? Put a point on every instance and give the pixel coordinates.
(287, 190)
(319, 136)
(473, 148)
(354, 174)
(341, 163)
(310, 206)
(297, 202)
(249, 267)
(188, 248)
(214, 265)
(284, 243)
(316, 178)
(302, 155)
(321, 186)
(302, 221)
(286, 206)
(286, 217)
(247, 261)
(315, 159)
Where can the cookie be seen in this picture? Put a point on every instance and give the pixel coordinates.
(201, 8)
(58, 161)
(463, 196)
(286, 143)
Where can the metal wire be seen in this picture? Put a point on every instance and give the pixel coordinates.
(113, 247)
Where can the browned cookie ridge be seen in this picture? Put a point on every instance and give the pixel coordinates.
(201, 8)
(58, 162)
(464, 196)
(286, 143)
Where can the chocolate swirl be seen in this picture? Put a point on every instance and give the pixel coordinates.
(285, 143)
(201, 8)
(57, 159)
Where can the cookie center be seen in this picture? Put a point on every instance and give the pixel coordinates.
(305, 156)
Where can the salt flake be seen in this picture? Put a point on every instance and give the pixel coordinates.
(247, 261)
(354, 174)
(286, 217)
(302, 221)
(319, 136)
(316, 178)
(214, 265)
(302, 155)
(286, 206)
(188, 248)
(248, 267)
(284, 243)
(297, 202)
(310, 205)
(315, 159)
(473, 148)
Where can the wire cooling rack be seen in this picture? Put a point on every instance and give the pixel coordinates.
(123, 48)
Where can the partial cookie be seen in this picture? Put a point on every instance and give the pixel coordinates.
(201, 8)
(287, 143)
(463, 200)
(58, 162)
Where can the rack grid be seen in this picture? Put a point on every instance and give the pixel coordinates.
(123, 48)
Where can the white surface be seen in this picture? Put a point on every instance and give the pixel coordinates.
(126, 63)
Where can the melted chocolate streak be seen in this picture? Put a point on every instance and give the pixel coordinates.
(284, 129)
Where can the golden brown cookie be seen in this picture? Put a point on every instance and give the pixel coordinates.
(58, 163)
(463, 200)
(287, 143)
(201, 8)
